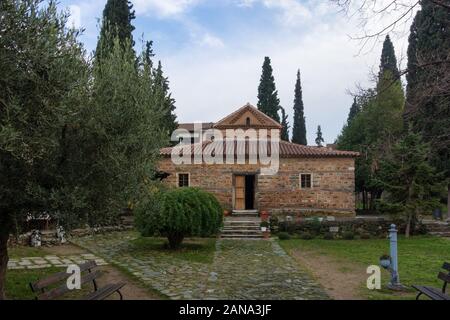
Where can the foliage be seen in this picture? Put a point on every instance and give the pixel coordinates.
(413, 185)
(328, 236)
(268, 101)
(354, 110)
(428, 98)
(284, 236)
(372, 132)
(306, 235)
(285, 125)
(319, 137)
(348, 235)
(388, 59)
(178, 213)
(116, 24)
(299, 129)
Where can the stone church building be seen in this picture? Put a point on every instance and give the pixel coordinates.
(310, 181)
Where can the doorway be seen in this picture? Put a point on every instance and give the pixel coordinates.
(244, 192)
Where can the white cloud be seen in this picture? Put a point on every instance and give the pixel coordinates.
(163, 8)
(292, 12)
(209, 84)
(75, 16)
(212, 41)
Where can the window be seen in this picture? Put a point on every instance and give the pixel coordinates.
(247, 121)
(305, 181)
(183, 180)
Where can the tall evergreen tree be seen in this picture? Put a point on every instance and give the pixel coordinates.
(354, 110)
(319, 137)
(299, 129)
(285, 124)
(388, 59)
(268, 101)
(167, 108)
(428, 98)
(116, 23)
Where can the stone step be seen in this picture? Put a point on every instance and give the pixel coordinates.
(243, 227)
(241, 232)
(245, 213)
(240, 236)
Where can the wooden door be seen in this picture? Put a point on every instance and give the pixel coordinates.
(239, 193)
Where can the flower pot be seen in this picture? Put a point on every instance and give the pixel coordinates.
(264, 229)
(385, 263)
(226, 213)
(264, 216)
(266, 235)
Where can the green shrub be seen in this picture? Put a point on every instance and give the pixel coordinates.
(306, 236)
(348, 235)
(284, 236)
(328, 236)
(364, 235)
(179, 213)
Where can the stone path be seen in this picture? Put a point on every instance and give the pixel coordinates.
(242, 269)
(52, 261)
(258, 270)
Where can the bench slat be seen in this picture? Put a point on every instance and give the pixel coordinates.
(104, 292)
(57, 277)
(432, 293)
(59, 291)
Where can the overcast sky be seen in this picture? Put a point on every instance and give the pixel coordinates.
(213, 50)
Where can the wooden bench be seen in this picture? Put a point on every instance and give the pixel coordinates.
(434, 293)
(55, 286)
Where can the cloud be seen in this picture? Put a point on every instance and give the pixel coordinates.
(163, 8)
(75, 16)
(211, 41)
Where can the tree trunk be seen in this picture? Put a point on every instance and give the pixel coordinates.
(408, 225)
(4, 236)
(175, 240)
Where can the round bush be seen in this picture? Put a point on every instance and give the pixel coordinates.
(284, 236)
(179, 213)
(306, 236)
(328, 236)
(348, 235)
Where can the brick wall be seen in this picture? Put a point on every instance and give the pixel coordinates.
(332, 192)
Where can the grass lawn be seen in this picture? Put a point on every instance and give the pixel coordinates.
(420, 259)
(192, 250)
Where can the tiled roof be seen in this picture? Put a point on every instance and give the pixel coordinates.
(190, 126)
(265, 121)
(286, 149)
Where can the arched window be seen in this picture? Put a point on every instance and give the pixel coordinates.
(247, 121)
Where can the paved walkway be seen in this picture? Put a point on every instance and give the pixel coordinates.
(242, 269)
(52, 261)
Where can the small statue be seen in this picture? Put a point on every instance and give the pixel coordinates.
(61, 234)
(36, 238)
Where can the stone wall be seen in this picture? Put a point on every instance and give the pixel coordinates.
(280, 194)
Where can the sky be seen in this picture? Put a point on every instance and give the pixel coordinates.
(213, 50)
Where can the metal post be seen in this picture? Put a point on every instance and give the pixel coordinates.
(395, 279)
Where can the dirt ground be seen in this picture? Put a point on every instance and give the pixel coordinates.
(131, 291)
(335, 276)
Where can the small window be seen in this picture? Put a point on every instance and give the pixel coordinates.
(305, 181)
(247, 121)
(183, 180)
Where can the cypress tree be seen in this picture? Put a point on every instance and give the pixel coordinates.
(428, 104)
(167, 109)
(319, 138)
(268, 101)
(116, 23)
(354, 110)
(285, 124)
(388, 59)
(299, 129)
